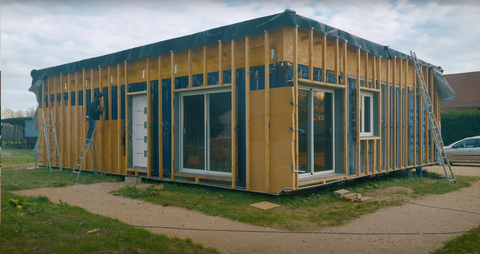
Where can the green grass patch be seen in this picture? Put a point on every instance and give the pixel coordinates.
(467, 243)
(15, 157)
(44, 227)
(21, 179)
(303, 212)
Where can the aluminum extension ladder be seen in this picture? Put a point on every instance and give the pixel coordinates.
(89, 145)
(437, 134)
(47, 144)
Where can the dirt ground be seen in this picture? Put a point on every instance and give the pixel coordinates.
(417, 216)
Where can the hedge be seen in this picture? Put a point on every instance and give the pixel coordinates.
(457, 125)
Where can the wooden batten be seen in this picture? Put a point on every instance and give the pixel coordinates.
(234, 142)
(190, 76)
(432, 96)
(205, 80)
(324, 58)
(172, 73)
(380, 100)
(394, 116)
(345, 106)
(220, 67)
(119, 169)
(295, 87)
(247, 111)
(357, 111)
(388, 99)
(61, 126)
(160, 120)
(310, 55)
(84, 107)
(400, 119)
(149, 122)
(267, 114)
(337, 61)
(127, 145)
(76, 120)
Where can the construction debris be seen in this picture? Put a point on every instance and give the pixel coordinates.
(354, 197)
(93, 231)
(158, 187)
(265, 205)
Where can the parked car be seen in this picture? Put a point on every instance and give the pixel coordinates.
(466, 150)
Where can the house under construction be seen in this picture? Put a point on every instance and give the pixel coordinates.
(273, 105)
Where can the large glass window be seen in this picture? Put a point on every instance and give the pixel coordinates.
(206, 137)
(315, 116)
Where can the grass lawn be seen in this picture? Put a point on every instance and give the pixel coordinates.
(467, 243)
(17, 157)
(41, 226)
(307, 212)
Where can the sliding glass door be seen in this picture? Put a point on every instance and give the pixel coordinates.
(206, 138)
(316, 131)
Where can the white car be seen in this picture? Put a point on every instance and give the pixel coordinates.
(466, 150)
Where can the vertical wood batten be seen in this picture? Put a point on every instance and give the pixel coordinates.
(432, 96)
(427, 131)
(220, 63)
(54, 110)
(267, 114)
(345, 106)
(76, 118)
(172, 71)
(160, 120)
(102, 119)
(84, 107)
(149, 122)
(127, 143)
(205, 80)
(357, 112)
(380, 98)
(109, 123)
(234, 119)
(295, 87)
(324, 58)
(69, 125)
(388, 99)
(400, 118)
(119, 122)
(394, 116)
(190, 77)
(310, 55)
(247, 109)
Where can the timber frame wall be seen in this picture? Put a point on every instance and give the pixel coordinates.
(271, 146)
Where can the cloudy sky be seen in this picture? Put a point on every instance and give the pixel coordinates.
(36, 34)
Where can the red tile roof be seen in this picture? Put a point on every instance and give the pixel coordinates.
(467, 90)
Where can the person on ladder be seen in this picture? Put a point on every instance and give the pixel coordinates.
(93, 114)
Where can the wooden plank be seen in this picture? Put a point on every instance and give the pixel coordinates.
(267, 114)
(366, 154)
(190, 76)
(84, 107)
(149, 123)
(76, 120)
(109, 123)
(427, 131)
(400, 119)
(295, 86)
(100, 130)
(69, 124)
(345, 106)
(414, 83)
(203, 177)
(432, 144)
(357, 110)
(220, 67)
(420, 129)
(337, 61)
(127, 143)
(380, 98)
(234, 119)
(205, 80)
(322, 180)
(407, 112)
(369, 89)
(200, 88)
(324, 58)
(160, 120)
(172, 66)
(370, 138)
(394, 118)
(54, 111)
(388, 125)
(134, 93)
(313, 82)
(119, 121)
(366, 69)
(310, 55)
(374, 155)
(247, 110)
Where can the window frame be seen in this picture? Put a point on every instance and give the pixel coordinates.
(370, 95)
(206, 171)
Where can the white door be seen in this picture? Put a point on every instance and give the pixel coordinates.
(139, 131)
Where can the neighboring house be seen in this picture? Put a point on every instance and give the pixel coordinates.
(19, 131)
(305, 105)
(467, 91)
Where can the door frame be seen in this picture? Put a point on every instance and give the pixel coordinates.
(311, 172)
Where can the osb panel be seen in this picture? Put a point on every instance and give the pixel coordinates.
(317, 49)
(330, 60)
(257, 178)
(257, 104)
(352, 63)
(287, 44)
(303, 47)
